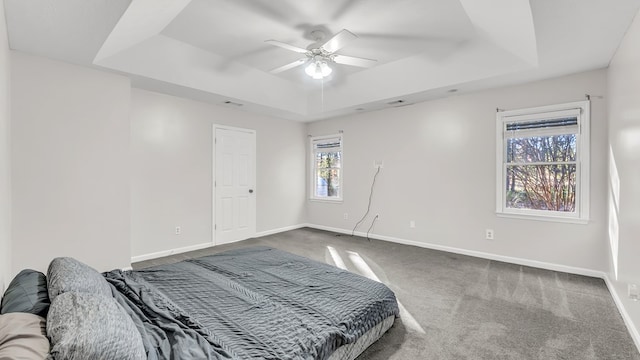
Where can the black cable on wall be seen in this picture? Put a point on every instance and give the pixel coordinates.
(373, 184)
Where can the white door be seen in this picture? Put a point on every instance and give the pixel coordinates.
(234, 185)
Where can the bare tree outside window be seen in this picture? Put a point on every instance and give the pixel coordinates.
(328, 174)
(541, 173)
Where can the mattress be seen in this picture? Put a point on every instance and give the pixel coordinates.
(352, 351)
(254, 303)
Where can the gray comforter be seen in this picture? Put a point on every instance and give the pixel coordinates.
(253, 303)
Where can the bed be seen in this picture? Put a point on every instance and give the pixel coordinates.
(250, 303)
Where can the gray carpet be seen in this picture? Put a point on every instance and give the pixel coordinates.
(461, 307)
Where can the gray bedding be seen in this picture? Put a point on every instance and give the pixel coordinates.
(252, 303)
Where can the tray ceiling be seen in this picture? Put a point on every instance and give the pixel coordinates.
(215, 50)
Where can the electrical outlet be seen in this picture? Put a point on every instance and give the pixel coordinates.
(178, 230)
(412, 224)
(488, 234)
(378, 164)
(345, 216)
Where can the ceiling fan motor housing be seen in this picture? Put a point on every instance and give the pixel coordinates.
(319, 55)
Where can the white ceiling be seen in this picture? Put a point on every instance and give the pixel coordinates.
(215, 50)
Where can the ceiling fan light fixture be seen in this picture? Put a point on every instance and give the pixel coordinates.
(318, 69)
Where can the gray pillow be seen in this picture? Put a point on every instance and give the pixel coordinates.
(68, 274)
(89, 326)
(27, 293)
(22, 336)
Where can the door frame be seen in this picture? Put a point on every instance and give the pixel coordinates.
(213, 176)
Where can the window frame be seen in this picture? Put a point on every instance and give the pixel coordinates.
(313, 169)
(581, 213)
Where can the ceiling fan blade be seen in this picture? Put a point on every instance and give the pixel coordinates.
(287, 46)
(354, 61)
(338, 41)
(288, 66)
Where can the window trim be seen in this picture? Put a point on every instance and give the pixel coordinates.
(312, 169)
(581, 215)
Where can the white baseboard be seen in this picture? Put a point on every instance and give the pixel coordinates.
(169, 252)
(509, 259)
(480, 254)
(617, 298)
(163, 253)
(279, 230)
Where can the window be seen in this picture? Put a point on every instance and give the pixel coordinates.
(543, 162)
(326, 168)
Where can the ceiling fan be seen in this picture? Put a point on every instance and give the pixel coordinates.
(318, 58)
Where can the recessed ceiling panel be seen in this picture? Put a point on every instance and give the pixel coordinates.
(69, 30)
(387, 30)
(215, 49)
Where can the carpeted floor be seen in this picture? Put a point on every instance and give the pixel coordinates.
(460, 307)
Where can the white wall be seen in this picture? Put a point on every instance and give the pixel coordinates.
(5, 155)
(439, 170)
(624, 173)
(70, 164)
(171, 176)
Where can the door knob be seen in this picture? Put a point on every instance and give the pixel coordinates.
(250, 191)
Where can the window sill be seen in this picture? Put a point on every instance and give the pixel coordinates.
(557, 219)
(328, 201)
